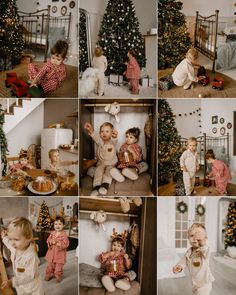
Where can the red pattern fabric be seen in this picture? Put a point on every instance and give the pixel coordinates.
(138, 152)
(49, 76)
(122, 265)
(133, 69)
(222, 175)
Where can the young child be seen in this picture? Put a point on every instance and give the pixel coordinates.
(53, 72)
(129, 157)
(23, 164)
(106, 142)
(220, 171)
(189, 165)
(99, 62)
(57, 242)
(26, 278)
(196, 259)
(184, 72)
(56, 164)
(115, 264)
(133, 72)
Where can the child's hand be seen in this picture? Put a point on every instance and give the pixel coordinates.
(198, 168)
(176, 269)
(6, 284)
(201, 78)
(89, 127)
(126, 256)
(114, 133)
(184, 169)
(33, 83)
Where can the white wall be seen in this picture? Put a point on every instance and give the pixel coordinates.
(187, 126)
(129, 117)
(93, 242)
(206, 8)
(27, 132)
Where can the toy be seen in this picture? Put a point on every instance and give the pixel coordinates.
(202, 72)
(11, 77)
(113, 109)
(218, 83)
(19, 88)
(125, 202)
(166, 82)
(35, 91)
(99, 217)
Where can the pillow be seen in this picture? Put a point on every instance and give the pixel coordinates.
(230, 30)
(54, 35)
(90, 276)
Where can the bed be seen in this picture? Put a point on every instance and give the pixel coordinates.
(220, 146)
(216, 40)
(41, 30)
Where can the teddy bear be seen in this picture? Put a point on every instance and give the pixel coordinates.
(113, 109)
(99, 217)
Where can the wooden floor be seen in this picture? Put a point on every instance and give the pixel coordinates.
(223, 284)
(169, 190)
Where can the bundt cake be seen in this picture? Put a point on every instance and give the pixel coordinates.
(42, 184)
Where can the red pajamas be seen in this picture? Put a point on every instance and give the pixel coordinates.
(133, 73)
(222, 175)
(48, 75)
(138, 152)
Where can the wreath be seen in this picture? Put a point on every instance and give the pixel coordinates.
(182, 207)
(200, 210)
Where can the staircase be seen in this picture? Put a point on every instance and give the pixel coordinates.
(17, 109)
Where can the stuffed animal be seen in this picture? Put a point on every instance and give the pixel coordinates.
(88, 82)
(113, 109)
(99, 217)
(125, 202)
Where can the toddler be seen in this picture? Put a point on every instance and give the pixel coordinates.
(99, 62)
(106, 142)
(57, 242)
(115, 264)
(184, 72)
(129, 157)
(26, 279)
(220, 171)
(196, 259)
(23, 164)
(56, 164)
(133, 72)
(53, 72)
(189, 165)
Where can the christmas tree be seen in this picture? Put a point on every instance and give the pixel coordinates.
(3, 144)
(169, 147)
(119, 32)
(230, 230)
(44, 220)
(83, 49)
(173, 38)
(11, 41)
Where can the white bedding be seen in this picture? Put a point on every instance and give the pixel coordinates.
(36, 39)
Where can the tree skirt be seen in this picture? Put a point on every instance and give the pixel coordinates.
(229, 90)
(69, 87)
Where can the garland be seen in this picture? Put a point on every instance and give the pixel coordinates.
(182, 207)
(3, 143)
(200, 210)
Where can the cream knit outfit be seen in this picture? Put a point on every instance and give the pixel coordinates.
(100, 63)
(26, 279)
(184, 74)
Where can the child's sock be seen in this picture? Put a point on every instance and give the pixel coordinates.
(95, 191)
(103, 188)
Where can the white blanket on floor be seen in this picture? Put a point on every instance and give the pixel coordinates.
(167, 258)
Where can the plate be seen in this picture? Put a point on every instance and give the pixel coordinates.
(30, 188)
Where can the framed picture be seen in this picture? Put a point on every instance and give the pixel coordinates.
(214, 130)
(222, 120)
(54, 9)
(222, 130)
(63, 10)
(72, 4)
(214, 119)
(229, 125)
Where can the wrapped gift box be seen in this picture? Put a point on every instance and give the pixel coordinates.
(147, 82)
(115, 79)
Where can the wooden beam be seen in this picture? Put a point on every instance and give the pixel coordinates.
(3, 274)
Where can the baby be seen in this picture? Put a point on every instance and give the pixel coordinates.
(106, 142)
(57, 242)
(129, 157)
(99, 62)
(196, 259)
(115, 264)
(184, 72)
(23, 164)
(220, 171)
(25, 262)
(189, 165)
(56, 164)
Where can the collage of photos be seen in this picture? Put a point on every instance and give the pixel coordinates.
(117, 147)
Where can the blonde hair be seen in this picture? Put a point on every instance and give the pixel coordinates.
(23, 224)
(106, 124)
(191, 139)
(192, 54)
(196, 225)
(98, 51)
(51, 151)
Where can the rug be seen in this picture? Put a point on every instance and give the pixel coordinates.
(200, 91)
(69, 87)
